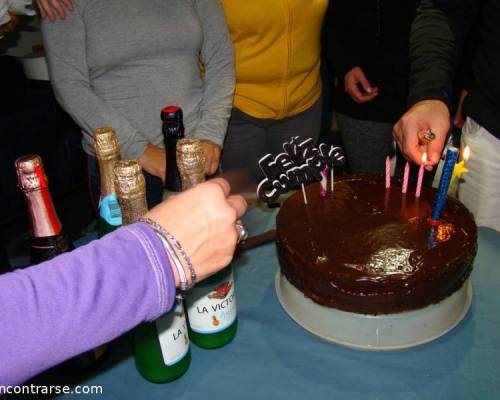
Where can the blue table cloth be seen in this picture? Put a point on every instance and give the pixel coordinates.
(272, 357)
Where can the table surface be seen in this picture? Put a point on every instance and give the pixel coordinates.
(272, 357)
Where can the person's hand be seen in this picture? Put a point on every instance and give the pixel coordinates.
(153, 161)
(425, 115)
(352, 81)
(459, 120)
(212, 156)
(203, 219)
(54, 8)
(6, 28)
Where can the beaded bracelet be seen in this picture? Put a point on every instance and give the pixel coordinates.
(174, 244)
(174, 260)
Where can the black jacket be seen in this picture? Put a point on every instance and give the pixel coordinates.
(374, 35)
(438, 36)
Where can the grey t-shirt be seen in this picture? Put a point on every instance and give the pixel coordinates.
(119, 62)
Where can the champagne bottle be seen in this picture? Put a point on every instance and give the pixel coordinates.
(47, 237)
(161, 348)
(107, 152)
(211, 304)
(173, 130)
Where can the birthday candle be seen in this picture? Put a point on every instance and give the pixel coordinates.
(324, 183)
(421, 175)
(304, 194)
(387, 172)
(460, 168)
(444, 183)
(331, 179)
(406, 177)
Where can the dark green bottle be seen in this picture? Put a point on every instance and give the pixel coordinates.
(161, 348)
(107, 153)
(211, 310)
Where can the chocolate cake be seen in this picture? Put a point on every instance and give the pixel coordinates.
(368, 250)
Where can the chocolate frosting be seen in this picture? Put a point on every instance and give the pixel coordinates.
(369, 250)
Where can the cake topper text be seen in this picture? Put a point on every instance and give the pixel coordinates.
(300, 163)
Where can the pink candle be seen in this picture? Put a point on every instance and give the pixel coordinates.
(420, 175)
(387, 172)
(406, 176)
(324, 183)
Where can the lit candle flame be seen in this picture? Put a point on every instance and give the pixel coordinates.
(424, 158)
(466, 153)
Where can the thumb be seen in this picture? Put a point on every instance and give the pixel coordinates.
(435, 148)
(364, 82)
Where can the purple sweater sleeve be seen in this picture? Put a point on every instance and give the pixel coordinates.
(79, 300)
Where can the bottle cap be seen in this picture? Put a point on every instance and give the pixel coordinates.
(190, 162)
(171, 113)
(30, 173)
(130, 187)
(106, 144)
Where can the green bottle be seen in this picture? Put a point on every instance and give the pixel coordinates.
(161, 348)
(107, 153)
(211, 304)
(211, 310)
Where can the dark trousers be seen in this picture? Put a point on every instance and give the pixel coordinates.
(249, 139)
(154, 186)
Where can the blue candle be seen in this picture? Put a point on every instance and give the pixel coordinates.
(444, 183)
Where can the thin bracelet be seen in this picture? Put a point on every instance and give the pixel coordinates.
(172, 240)
(183, 285)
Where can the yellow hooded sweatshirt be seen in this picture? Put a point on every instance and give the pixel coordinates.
(277, 46)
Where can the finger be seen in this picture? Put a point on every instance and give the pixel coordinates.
(213, 168)
(367, 97)
(435, 148)
(68, 4)
(367, 87)
(355, 93)
(238, 203)
(226, 188)
(59, 9)
(43, 11)
(410, 145)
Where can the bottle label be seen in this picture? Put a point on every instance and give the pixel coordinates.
(212, 307)
(110, 211)
(173, 335)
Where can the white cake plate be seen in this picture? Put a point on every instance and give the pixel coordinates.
(374, 332)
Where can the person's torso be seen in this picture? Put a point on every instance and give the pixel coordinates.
(277, 46)
(143, 55)
(380, 30)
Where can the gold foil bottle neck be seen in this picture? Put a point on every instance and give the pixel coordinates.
(30, 173)
(190, 162)
(106, 144)
(107, 151)
(130, 187)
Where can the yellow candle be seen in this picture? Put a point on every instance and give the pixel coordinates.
(460, 168)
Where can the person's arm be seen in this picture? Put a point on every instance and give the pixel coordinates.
(65, 46)
(218, 59)
(437, 37)
(79, 300)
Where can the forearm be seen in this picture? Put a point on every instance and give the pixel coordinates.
(218, 59)
(79, 300)
(437, 39)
